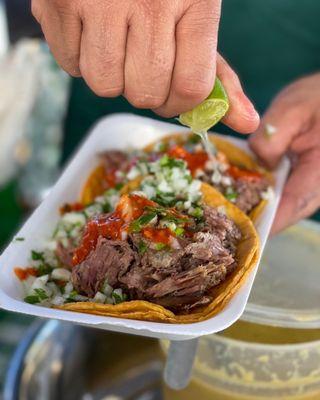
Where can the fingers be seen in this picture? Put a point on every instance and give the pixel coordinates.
(194, 68)
(62, 29)
(150, 56)
(301, 196)
(103, 46)
(287, 122)
(242, 116)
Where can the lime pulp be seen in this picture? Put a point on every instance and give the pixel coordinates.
(209, 112)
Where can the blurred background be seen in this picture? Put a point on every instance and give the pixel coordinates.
(44, 115)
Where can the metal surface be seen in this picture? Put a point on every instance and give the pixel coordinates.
(55, 361)
(46, 364)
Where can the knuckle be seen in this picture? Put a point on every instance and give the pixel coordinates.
(36, 10)
(71, 62)
(164, 112)
(67, 62)
(72, 69)
(102, 81)
(63, 6)
(102, 89)
(144, 100)
(194, 89)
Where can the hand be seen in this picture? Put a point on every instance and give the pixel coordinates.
(295, 114)
(158, 54)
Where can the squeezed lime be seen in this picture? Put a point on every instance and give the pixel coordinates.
(207, 114)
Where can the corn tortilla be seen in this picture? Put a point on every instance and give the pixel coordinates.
(247, 253)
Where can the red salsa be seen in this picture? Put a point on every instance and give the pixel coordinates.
(194, 161)
(111, 226)
(68, 207)
(241, 173)
(111, 179)
(158, 235)
(24, 273)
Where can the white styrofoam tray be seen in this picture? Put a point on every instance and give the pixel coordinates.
(116, 131)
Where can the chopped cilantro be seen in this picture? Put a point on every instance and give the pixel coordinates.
(71, 297)
(160, 246)
(169, 162)
(118, 298)
(41, 294)
(167, 215)
(35, 255)
(157, 210)
(165, 199)
(119, 186)
(32, 299)
(19, 239)
(176, 220)
(106, 207)
(231, 195)
(44, 269)
(137, 225)
(197, 212)
(142, 247)
(179, 231)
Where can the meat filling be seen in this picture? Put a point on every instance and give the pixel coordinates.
(179, 278)
(244, 193)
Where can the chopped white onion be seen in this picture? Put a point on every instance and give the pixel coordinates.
(107, 289)
(99, 298)
(61, 274)
(268, 194)
(57, 300)
(133, 173)
(74, 218)
(226, 181)
(222, 210)
(68, 288)
(216, 177)
(124, 235)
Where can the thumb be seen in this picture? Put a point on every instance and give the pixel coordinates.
(278, 127)
(301, 195)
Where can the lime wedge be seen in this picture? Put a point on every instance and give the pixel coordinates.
(209, 112)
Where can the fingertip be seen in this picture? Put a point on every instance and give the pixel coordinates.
(243, 121)
(268, 154)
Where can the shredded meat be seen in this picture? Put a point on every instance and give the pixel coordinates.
(179, 279)
(249, 193)
(114, 160)
(110, 260)
(65, 254)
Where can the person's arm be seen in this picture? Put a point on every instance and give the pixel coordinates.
(158, 54)
(294, 115)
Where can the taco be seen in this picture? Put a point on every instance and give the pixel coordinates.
(232, 171)
(169, 249)
(112, 172)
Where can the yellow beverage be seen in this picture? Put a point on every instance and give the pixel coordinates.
(255, 362)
